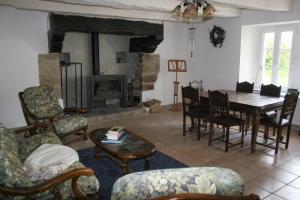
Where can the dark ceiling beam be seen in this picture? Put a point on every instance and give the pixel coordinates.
(60, 24)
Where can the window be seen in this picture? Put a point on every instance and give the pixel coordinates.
(276, 57)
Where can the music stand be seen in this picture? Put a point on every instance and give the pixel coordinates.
(176, 66)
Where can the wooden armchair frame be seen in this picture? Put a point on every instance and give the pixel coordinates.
(53, 183)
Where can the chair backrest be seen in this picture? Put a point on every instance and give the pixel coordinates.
(270, 90)
(190, 97)
(218, 103)
(39, 102)
(244, 87)
(292, 90)
(197, 84)
(289, 106)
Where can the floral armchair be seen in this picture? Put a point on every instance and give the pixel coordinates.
(40, 104)
(75, 182)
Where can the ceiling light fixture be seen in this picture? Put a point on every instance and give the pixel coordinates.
(189, 9)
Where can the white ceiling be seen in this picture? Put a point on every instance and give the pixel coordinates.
(144, 9)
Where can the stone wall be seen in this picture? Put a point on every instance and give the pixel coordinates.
(150, 66)
(49, 71)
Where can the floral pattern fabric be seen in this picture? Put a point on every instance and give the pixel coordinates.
(156, 183)
(13, 175)
(11, 171)
(27, 145)
(42, 102)
(67, 124)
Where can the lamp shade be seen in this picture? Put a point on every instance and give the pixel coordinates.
(191, 11)
(177, 11)
(208, 10)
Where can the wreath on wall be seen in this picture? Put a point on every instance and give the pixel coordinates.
(217, 36)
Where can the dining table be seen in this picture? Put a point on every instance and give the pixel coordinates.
(251, 103)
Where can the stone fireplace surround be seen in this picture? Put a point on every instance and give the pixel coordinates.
(148, 37)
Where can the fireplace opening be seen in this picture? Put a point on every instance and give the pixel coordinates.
(108, 87)
(104, 90)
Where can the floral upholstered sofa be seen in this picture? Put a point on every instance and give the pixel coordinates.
(197, 180)
(14, 182)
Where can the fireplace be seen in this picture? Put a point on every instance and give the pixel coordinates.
(106, 89)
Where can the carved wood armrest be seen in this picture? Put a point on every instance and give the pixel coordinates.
(52, 183)
(74, 110)
(32, 127)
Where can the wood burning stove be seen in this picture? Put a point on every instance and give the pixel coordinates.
(102, 88)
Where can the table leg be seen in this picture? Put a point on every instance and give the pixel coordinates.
(147, 163)
(125, 167)
(255, 128)
(211, 133)
(98, 153)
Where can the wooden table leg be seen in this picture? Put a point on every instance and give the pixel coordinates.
(211, 133)
(147, 163)
(255, 128)
(125, 167)
(98, 153)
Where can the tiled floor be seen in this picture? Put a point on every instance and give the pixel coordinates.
(269, 176)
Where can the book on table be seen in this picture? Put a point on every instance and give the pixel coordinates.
(114, 136)
(113, 141)
(115, 130)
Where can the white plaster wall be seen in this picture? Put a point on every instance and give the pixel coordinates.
(174, 46)
(108, 46)
(23, 35)
(219, 67)
(249, 61)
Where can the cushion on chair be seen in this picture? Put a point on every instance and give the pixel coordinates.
(229, 120)
(27, 145)
(42, 101)
(275, 121)
(269, 114)
(69, 123)
(155, 183)
(49, 160)
(11, 171)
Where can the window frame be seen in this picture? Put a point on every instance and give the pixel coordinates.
(278, 30)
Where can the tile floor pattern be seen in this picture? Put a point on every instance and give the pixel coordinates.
(271, 177)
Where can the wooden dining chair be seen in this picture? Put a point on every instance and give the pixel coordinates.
(245, 87)
(192, 108)
(219, 114)
(285, 120)
(271, 91)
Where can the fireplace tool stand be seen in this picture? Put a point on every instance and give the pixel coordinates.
(70, 78)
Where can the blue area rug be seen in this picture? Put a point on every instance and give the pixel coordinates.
(108, 172)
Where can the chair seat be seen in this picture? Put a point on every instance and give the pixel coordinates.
(229, 120)
(271, 121)
(68, 124)
(269, 114)
(199, 110)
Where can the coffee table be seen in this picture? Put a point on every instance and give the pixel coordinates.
(133, 147)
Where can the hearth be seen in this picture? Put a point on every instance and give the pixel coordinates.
(106, 89)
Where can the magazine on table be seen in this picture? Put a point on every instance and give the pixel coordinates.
(112, 141)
